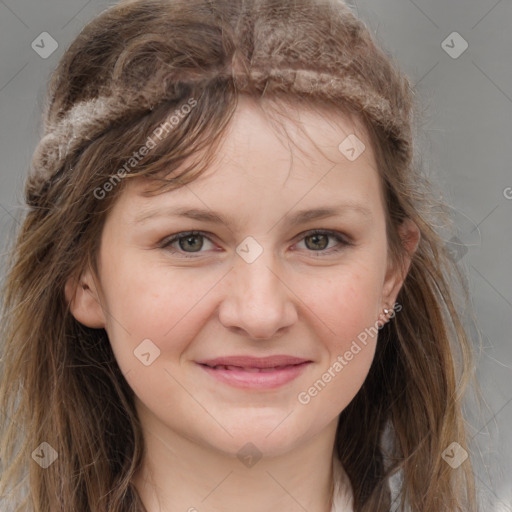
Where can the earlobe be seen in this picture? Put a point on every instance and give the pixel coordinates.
(84, 301)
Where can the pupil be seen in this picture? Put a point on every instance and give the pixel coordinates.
(315, 238)
(186, 241)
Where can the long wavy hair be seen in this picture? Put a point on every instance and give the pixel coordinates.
(132, 67)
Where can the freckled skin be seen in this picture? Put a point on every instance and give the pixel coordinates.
(289, 301)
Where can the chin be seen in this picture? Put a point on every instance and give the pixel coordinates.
(269, 438)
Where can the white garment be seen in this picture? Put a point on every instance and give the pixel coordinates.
(343, 499)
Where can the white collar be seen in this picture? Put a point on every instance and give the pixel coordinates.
(343, 499)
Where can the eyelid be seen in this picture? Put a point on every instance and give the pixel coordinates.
(168, 240)
(342, 239)
(337, 235)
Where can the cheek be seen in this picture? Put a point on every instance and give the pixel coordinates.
(154, 304)
(346, 303)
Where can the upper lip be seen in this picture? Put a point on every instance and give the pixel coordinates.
(254, 362)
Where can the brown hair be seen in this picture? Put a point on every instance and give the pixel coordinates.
(118, 81)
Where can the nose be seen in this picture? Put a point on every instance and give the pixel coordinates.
(258, 301)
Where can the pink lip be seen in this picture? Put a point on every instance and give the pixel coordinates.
(254, 362)
(253, 372)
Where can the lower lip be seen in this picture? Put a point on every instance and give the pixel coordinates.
(257, 380)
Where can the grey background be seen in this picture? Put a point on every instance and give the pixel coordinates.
(467, 130)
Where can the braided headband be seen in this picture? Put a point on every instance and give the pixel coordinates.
(88, 119)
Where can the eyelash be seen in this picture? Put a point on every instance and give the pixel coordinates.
(166, 242)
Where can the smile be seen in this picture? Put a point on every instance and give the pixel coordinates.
(254, 377)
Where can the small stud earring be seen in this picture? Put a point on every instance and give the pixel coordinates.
(386, 313)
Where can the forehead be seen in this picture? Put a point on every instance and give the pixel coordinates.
(314, 131)
(281, 149)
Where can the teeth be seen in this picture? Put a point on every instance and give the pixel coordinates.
(252, 370)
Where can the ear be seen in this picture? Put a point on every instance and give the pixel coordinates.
(84, 300)
(410, 236)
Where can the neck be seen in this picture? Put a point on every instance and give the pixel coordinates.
(177, 474)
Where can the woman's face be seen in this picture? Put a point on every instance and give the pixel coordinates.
(257, 284)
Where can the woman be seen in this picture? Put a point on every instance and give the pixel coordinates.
(227, 293)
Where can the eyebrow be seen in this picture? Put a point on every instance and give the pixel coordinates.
(300, 217)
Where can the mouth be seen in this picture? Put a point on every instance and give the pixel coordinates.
(253, 369)
(258, 375)
(249, 362)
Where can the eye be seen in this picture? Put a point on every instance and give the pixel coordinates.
(318, 240)
(191, 242)
(188, 242)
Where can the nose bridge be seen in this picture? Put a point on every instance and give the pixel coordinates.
(257, 300)
(258, 279)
